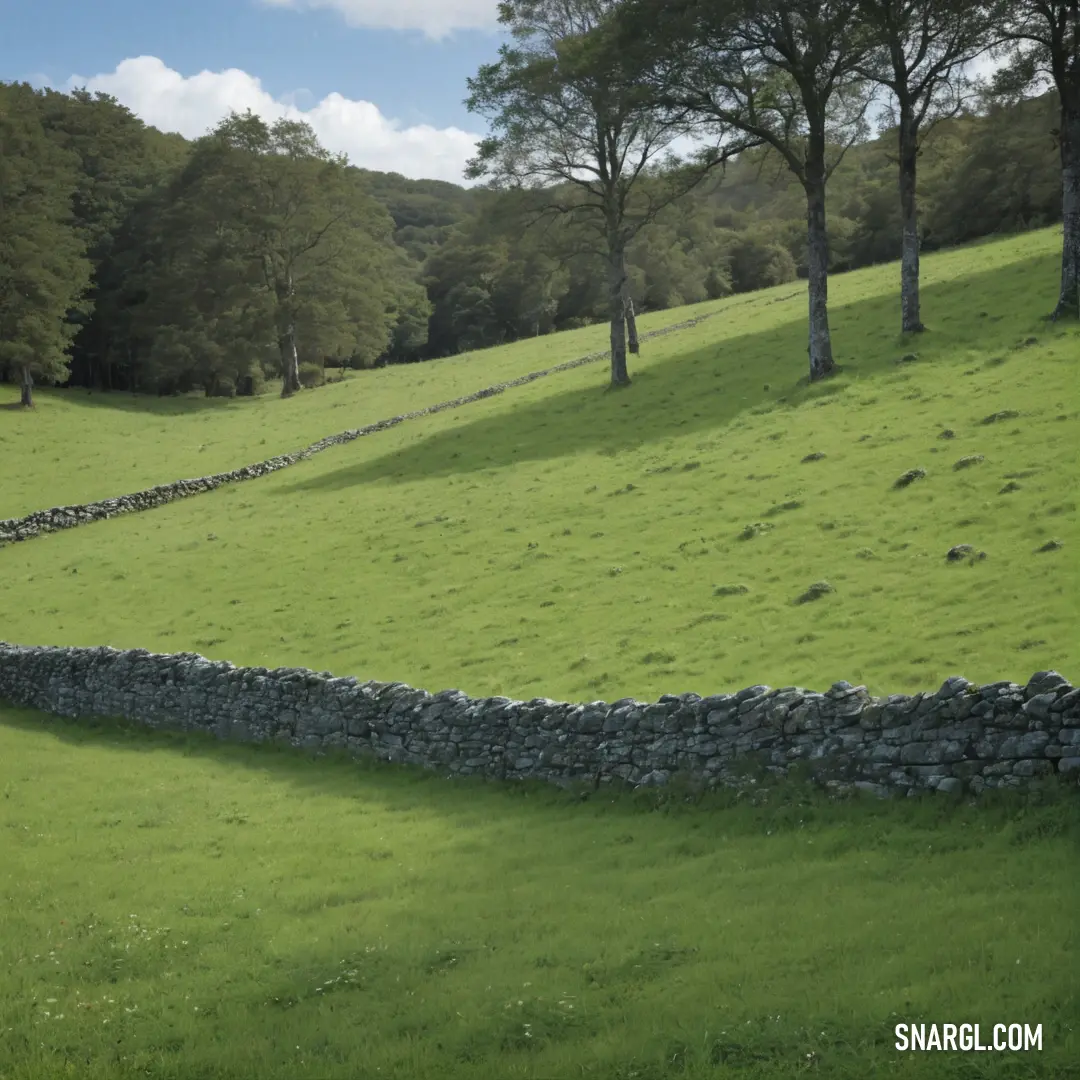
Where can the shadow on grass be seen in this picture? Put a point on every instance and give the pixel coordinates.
(142, 404)
(340, 773)
(711, 386)
(506, 844)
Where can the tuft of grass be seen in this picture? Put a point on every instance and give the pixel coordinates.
(784, 507)
(997, 417)
(730, 590)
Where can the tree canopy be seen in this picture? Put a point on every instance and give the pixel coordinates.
(130, 259)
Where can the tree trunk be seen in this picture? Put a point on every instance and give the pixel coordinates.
(616, 285)
(631, 322)
(911, 321)
(1068, 304)
(290, 362)
(27, 389)
(821, 357)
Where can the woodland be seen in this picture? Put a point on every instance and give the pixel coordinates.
(140, 261)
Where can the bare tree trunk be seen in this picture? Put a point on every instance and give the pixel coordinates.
(26, 398)
(616, 285)
(1068, 304)
(631, 322)
(821, 356)
(290, 362)
(911, 320)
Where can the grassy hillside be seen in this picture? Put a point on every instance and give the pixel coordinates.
(191, 909)
(566, 541)
(80, 445)
(181, 908)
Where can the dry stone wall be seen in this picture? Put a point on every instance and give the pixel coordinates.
(67, 517)
(964, 737)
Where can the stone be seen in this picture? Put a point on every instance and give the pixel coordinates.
(920, 754)
(1032, 767)
(907, 478)
(656, 778)
(1038, 707)
(953, 685)
(872, 788)
(959, 552)
(1045, 682)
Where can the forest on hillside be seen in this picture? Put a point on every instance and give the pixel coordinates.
(136, 260)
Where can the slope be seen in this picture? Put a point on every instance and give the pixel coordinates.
(78, 446)
(567, 541)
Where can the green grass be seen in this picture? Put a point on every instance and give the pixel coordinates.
(568, 541)
(128, 442)
(180, 908)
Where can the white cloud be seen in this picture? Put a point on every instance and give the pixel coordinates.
(436, 18)
(193, 104)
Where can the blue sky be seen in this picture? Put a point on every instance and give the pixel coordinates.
(382, 80)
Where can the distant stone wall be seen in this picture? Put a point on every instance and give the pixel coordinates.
(962, 738)
(67, 517)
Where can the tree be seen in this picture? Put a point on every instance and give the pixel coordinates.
(1042, 43)
(926, 45)
(569, 112)
(997, 173)
(262, 243)
(44, 271)
(785, 74)
(120, 162)
(757, 263)
(294, 207)
(410, 301)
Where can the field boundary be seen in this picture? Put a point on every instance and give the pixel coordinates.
(40, 522)
(963, 738)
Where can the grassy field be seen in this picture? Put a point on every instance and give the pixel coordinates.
(566, 541)
(129, 442)
(177, 908)
(192, 910)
